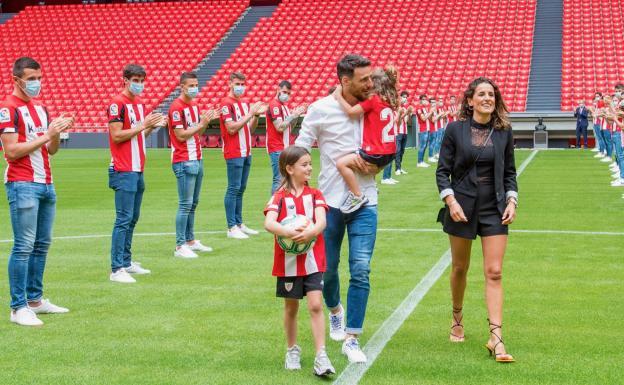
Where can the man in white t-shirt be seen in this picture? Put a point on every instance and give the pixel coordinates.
(337, 135)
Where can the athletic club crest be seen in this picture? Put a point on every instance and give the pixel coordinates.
(176, 115)
(114, 109)
(288, 286)
(5, 115)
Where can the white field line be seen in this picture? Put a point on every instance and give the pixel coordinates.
(354, 372)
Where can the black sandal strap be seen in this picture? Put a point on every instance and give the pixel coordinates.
(500, 340)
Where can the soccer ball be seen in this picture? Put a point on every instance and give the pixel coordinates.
(287, 244)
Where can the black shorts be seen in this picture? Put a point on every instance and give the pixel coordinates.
(485, 221)
(298, 287)
(380, 161)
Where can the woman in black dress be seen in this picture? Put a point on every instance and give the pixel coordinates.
(476, 177)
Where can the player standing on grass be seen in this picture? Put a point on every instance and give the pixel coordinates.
(128, 127)
(28, 139)
(186, 125)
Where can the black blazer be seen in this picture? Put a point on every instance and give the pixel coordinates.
(581, 117)
(456, 158)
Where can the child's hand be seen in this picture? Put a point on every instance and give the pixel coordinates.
(338, 92)
(304, 236)
(292, 233)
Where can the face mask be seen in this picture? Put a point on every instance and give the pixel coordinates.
(136, 88)
(403, 100)
(192, 92)
(618, 94)
(32, 88)
(283, 97)
(239, 90)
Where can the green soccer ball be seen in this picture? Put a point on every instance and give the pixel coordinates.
(287, 244)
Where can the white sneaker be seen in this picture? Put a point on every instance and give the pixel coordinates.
(599, 155)
(322, 364)
(397, 172)
(432, 159)
(197, 246)
(121, 276)
(185, 252)
(247, 230)
(613, 165)
(387, 181)
(236, 233)
(293, 358)
(595, 149)
(48, 307)
(25, 317)
(606, 159)
(394, 180)
(618, 183)
(337, 326)
(135, 268)
(351, 348)
(403, 172)
(423, 165)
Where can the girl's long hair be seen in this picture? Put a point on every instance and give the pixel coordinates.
(289, 157)
(385, 85)
(500, 116)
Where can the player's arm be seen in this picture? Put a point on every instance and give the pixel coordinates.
(183, 135)
(423, 115)
(119, 135)
(353, 112)
(55, 141)
(282, 124)
(274, 227)
(233, 127)
(311, 232)
(15, 150)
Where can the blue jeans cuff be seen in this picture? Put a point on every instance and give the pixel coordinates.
(354, 331)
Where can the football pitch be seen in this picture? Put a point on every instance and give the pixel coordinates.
(216, 320)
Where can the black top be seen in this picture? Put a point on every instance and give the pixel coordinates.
(485, 165)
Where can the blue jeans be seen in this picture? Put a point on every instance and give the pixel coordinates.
(619, 151)
(440, 136)
(599, 138)
(401, 141)
(608, 141)
(189, 176)
(433, 140)
(129, 188)
(237, 174)
(274, 156)
(387, 172)
(361, 227)
(32, 207)
(423, 141)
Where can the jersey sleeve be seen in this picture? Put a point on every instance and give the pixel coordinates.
(368, 105)
(116, 112)
(274, 203)
(275, 112)
(8, 119)
(319, 200)
(227, 113)
(176, 118)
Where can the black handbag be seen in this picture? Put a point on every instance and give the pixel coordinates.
(442, 212)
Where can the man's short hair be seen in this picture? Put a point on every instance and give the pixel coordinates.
(347, 65)
(331, 90)
(237, 75)
(433, 99)
(131, 70)
(187, 75)
(599, 94)
(404, 93)
(423, 96)
(619, 86)
(22, 63)
(285, 83)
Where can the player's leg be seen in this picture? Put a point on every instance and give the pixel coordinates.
(333, 236)
(239, 200)
(185, 183)
(234, 175)
(345, 167)
(293, 354)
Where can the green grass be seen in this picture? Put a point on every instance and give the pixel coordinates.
(215, 320)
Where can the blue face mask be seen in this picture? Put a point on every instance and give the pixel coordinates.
(32, 88)
(239, 90)
(136, 88)
(283, 97)
(192, 92)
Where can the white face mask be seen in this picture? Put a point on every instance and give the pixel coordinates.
(283, 97)
(403, 100)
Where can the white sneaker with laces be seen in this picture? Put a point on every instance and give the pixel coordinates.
(135, 268)
(185, 252)
(606, 159)
(397, 172)
(247, 230)
(322, 364)
(293, 358)
(337, 326)
(351, 348)
(236, 233)
(198, 246)
(353, 203)
(599, 155)
(48, 307)
(618, 183)
(613, 165)
(121, 276)
(386, 181)
(394, 181)
(432, 159)
(403, 172)
(25, 317)
(423, 165)
(595, 149)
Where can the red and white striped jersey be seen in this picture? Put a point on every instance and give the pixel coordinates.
(451, 117)
(402, 125)
(237, 145)
(184, 116)
(423, 125)
(127, 156)
(29, 120)
(275, 140)
(438, 124)
(285, 204)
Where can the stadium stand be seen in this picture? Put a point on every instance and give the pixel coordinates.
(431, 43)
(592, 49)
(84, 55)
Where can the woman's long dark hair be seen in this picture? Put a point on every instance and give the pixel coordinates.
(289, 157)
(500, 118)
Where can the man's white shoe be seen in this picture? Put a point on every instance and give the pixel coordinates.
(397, 172)
(121, 276)
(322, 364)
(432, 159)
(351, 348)
(48, 307)
(615, 175)
(135, 268)
(386, 181)
(197, 246)
(293, 358)
(618, 183)
(236, 233)
(403, 171)
(337, 326)
(599, 155)
(613, 164)
(394, 181)
(247, 230)
(25, 317)
(595, 149)
(184, 251)
(423, 165)
(606, 159)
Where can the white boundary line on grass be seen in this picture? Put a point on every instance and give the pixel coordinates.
(354, 372)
